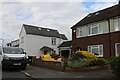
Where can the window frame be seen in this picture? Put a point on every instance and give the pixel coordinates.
(79, 32)
(91, 47)
(116, 49)
(90, 29)
(53, 41)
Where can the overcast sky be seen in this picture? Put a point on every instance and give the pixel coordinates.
(56, 15)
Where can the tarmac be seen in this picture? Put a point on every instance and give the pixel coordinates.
(39, 72)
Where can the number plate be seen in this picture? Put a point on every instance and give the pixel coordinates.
(17, 64)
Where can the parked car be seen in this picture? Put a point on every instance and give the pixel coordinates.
(14, 57)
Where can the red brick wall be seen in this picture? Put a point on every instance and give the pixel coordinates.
(48, 64)
(97, 40)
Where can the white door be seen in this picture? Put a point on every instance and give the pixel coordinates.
(117, 49)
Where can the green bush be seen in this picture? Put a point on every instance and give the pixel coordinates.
(54, 55)
(78, 63)
(100, 62)
(77, 56)
(115, 65)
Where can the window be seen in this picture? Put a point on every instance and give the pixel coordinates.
(79, 32)
(53, 41)
(94, 29)
(22, 39)
(117, 24)
(96, 49)
(117, 49)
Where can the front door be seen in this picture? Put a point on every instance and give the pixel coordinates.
(117, 49)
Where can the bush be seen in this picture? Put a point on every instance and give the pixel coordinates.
(115, 65)
(78, 63)
(54, 55)
(77, 55)
(100, 62)
(89, 56)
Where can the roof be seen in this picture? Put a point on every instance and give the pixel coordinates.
(66, 44)
(104, 14)
(46, 48)
(34, 30)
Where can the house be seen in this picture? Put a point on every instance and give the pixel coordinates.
(99, 33)
(65, 46)
(37, 41)
(14, 43)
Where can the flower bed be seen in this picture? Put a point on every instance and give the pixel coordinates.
(84, 69)
(56, 65)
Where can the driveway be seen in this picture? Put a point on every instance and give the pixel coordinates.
(38, 72)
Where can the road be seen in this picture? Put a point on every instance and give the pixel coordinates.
(14, 74)
(38, 73)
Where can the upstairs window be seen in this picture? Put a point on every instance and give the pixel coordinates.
(117, 24)
(94, 29)
(79, 32)
(53, 41)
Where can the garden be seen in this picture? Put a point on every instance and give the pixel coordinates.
(79, 61)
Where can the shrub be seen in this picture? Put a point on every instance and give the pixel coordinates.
(100, 62)
(89, 56)
(78, 63)
(115, 65)
(54, 55)
(77, 55)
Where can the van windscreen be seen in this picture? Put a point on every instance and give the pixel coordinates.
(12, 50)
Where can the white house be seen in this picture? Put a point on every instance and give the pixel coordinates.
(14, 43)
(37, 40)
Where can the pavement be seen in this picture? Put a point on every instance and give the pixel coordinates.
(38, 72)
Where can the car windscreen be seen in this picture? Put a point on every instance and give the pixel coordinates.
(13, 50)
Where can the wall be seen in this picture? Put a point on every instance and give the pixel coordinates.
(34, 43)
(103, 26)
(48, 64)
(98, 40)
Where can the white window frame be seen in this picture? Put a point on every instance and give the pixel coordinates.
(116, 49)
(53, 41)
(117, 24)
(99, 49)
(93, 26)
(79, 32)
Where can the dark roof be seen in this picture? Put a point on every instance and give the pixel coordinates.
(30, 29)
(104, 14)
(66, 44)
(46, 48)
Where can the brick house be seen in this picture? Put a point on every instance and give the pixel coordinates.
(99, 32)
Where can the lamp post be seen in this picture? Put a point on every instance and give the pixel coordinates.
(2, 41)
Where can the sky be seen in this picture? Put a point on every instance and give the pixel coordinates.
(60, 14)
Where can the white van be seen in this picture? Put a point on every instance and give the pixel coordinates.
(14, 57)
(0, 62)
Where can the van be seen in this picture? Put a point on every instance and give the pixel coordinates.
(14, 57)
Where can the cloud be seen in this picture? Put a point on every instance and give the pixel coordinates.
(52, 15)
(57, 15)
(100, 6)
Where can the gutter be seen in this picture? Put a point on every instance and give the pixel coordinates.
(109, 38)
